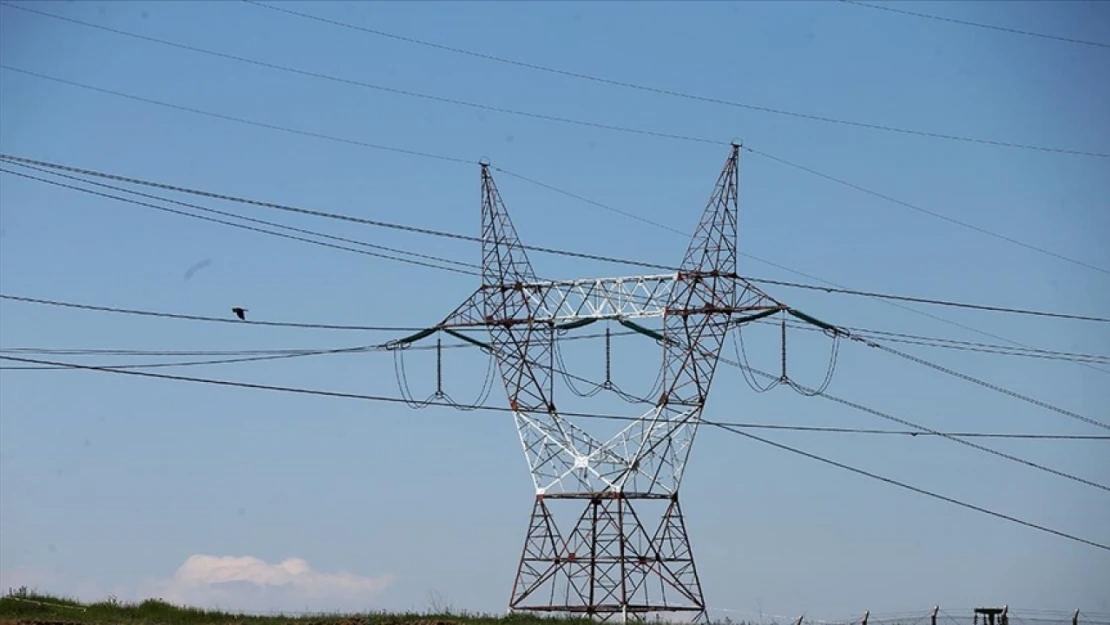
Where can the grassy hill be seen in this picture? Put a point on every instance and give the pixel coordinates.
(25, 607)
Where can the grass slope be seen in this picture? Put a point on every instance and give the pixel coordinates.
(27, 607)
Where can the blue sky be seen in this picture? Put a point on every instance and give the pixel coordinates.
(115, 484)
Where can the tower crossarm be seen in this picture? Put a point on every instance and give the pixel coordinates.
(622, 298)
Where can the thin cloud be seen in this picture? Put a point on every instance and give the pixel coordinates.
(251, 584)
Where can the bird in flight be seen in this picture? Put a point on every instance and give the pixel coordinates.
(239, 312)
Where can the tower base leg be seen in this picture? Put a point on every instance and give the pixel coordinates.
(624, 555)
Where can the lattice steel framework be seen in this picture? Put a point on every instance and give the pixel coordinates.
(613, 559)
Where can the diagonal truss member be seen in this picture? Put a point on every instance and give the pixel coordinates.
(626, 551)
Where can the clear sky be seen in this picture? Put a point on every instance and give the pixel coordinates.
(140, 487)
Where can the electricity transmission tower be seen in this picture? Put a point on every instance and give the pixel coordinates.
(625, 551)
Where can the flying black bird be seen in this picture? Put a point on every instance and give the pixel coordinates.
(239, 312)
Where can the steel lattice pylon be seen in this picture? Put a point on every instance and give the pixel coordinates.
(620, 557)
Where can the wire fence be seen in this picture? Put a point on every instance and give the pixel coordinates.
(1002, 615)
(998, 615)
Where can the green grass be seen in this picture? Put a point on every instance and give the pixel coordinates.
(23, 605)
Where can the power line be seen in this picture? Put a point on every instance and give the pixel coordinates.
(363, 84)
(239, 120)
(860, 332)
(375, 146)
(951, 20)
(217, 361)
(496, 109)
(942, 343)
(148, 313)
(696, 139)
(916, 433)
(385, 399)
(889, 417)
(101, 351)
(439, 259)
(915, 489)
(243, 356)
(556, 190)
(371, 222)
(305, 211)
(911, 339)
(237, 356)
(23, 161)
(764, 426)
(669, 92)
(230, 223)
(473, 272)
(265, 222)
(988, 385)
(830, 397)
(135, 202)
(993, 387)
(974, 380)
(552, 187)
(925, 211)
(897, 419)
(935, 302)
(79, 366)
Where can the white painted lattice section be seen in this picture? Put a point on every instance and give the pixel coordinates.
(648, 455)
(631, 297)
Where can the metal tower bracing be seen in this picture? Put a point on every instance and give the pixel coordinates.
(614, 558)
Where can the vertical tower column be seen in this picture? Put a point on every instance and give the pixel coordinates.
(524, 349)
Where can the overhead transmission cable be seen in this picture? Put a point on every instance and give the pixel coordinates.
(988, 385)
(150, 313)
(243, 356)
(361, 220)
(870, 294)
(837, 332)
(239, 120)
(906, 486)
(663, 91)
(440, 395)
(474, 267)
(442, 261)
(984, 384)
(915, 433)
(934, 432)
(872, 343)
(851, 404)
(347, 395)
(696, 139)
(364, 349)
(967, 346)
(925, 211)
(554, 189)
(952, 20)
(896, 337)
(889, 417)
(404, 92)
(198, 363)
(36, 164)
(971, 379)
(440, 157)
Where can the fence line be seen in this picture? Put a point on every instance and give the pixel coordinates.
(979, 616)
(973, 616)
